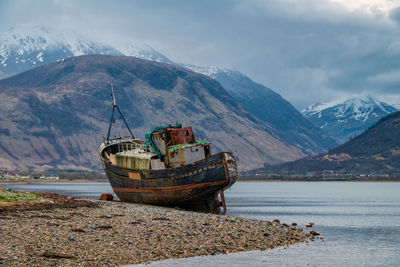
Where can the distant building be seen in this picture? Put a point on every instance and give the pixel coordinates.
(53, 177)
(8, 176)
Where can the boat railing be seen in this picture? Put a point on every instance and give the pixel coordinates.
(127, 146)
(120, 139)
(124, 143)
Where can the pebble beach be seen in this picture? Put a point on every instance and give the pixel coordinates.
(98, 233)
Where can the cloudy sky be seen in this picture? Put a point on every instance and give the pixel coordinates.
(307, 50)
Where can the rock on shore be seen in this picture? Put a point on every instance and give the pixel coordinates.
(114, 233)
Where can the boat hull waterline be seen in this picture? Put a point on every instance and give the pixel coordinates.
(198, 186)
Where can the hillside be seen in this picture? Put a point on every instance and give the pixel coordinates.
(27, 46)
(376, 151)
(56, 115)
(348, 119)
(272, 109)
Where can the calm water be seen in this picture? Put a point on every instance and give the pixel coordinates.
(359, 221)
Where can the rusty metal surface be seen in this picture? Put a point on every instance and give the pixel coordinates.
(196, 186)
(192, 186)
(176, 136)
(169, 185)
(231, 170)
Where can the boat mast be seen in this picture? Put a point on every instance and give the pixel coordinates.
(115, 106)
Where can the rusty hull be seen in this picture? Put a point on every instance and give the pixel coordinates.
(194, 186)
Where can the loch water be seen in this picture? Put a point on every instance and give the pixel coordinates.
(359, 221)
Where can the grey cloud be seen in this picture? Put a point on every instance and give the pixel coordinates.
(388, 79)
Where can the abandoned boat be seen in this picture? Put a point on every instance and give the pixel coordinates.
(169, 168)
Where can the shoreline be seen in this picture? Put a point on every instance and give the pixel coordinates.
(117, 233)
(320, 181)
(336, 178)
(44, 181)
(9, 182)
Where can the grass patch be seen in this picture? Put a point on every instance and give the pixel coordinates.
(8, 197)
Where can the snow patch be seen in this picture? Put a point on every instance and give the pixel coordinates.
(319, 107)
(141, 50)
(396, 106)
(210, 71)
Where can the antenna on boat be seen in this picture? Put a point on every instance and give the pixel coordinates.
(112, 114)
(112, 94)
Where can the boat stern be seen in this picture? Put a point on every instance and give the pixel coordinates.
(231, 170)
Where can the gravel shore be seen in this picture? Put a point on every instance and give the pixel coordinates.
(115, 233)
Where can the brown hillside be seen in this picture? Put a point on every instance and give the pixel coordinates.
(56, 115)
(376, 151)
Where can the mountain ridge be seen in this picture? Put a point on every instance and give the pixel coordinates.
(344, 120)
(64, 106)
(20, 51)
(284, 120)
(374, 152)
(26, 46)
(272, 109)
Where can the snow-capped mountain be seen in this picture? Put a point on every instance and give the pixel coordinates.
(141, 51)
(343, 120)
(24, 47)
(27, 46)
(229, 79)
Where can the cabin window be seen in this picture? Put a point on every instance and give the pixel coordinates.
(163, 136)
(186, 132)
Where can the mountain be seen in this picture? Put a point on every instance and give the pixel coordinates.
(375, 151)
(396, 106)
(56, 115)
(272, 109)
(141, 50)
(27, 46)
(345, 120)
